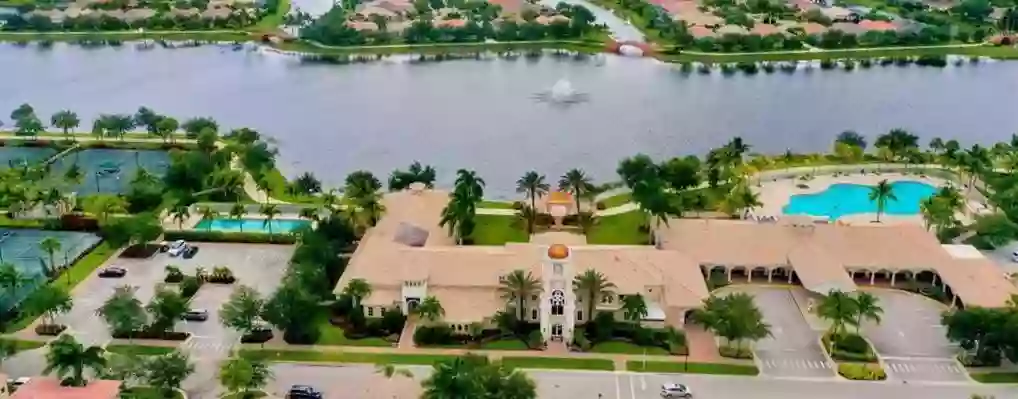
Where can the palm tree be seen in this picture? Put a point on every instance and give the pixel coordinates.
(451, 380)
(469, 184)
(180, 213)
(48, 301)
(635, 307)
(65, 120)
(523, 217)
(840, 309)
(309, 213)
(519, 286)
(357, 289)
(371, 207)
(577, 183)
(208, 214)
(430, 309)
(237, 212)
(595, 286)
(11, 278)
(50, 245)
(867, 307)
(99, 129)
(734, 317)
(270, 212)
(881, 193)
(330, 199)
(69, 360)
(458, 215)
(656, 203)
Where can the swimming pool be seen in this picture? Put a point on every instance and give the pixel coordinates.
(846, 199)
(251, 225)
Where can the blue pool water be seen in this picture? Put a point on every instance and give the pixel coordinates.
(251, 225)
(845, 199)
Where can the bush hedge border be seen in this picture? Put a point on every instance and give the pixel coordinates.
(229, 236)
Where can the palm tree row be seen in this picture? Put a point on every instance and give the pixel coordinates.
(27, 123)
(843, 310)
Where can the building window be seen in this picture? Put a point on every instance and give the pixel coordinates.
(533, 297)
(558, 300)
(557, 268)
(621, 298)
(371, 310)
(533, 314)
(607, 299)
(579, 315)
(556, 310)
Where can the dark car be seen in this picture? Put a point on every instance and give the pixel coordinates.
(190, 251)
(112, 271)
(196, 315)
(303, 392)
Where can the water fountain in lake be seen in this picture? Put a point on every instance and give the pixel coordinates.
(561, 93)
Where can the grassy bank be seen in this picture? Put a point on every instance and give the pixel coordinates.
(621, 229)
(691, 368)
(341, 357)
(22, 345)
(445, 48)
(559, 363)
(859, 53)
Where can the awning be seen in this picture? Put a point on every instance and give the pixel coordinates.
(818, 272)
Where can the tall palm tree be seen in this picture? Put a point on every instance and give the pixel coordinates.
(658, 204)
(867, 306)
(371, 207)
(50, 245)
(593, 285)
(880, 194)
(840, 309)
(357, 289)
(519, 286)
(65, 120)
(237, 212)
(330, 199)
(576, 182)
(270, 212)
(430, 309)
(308, 212)
(180, 213)
(69, 360)
(635, 307)
(458, 215)
(470, 184)
(12, 279)
(208, 214)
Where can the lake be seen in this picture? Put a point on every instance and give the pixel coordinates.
(482, 115)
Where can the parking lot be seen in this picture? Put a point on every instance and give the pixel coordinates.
(911, 339)
(258, 266)
(793, 349)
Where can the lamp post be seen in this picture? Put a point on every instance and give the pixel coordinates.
(97, 182)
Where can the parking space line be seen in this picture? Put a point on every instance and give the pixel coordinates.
(618, 390)
(632, 388)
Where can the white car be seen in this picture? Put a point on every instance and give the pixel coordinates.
(177, 247)
(1014, 256)
(676, 391)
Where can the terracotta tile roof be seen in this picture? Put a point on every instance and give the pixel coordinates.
(509, 6)
(451, 23)
(700, 31)
(813, 28)
(49, 388)
(765, 29)
(869, 25)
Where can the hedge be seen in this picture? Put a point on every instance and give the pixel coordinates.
(229, 236)
(862, 371)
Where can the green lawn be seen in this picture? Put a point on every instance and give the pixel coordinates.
(558, 363)
(627, 348)
(146, 393)
(140, 350)
(621, 229)
(996, 378)
(23, 345)
(81, 269)
(691, 368)
(496, 204)
(333, 335)
(272, 22)
(277, 189)
(342, 357)
(21, 223)
(498, 230)
(617, 200)
(506, 344)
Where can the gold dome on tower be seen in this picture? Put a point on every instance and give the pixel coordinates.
(558, 251)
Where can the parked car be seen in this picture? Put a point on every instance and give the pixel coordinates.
(303, 392)
(189, 252)
(17, 382)
(176, 248)
(196, 315)
(112, 271)
(676, 391)
(1014, 256)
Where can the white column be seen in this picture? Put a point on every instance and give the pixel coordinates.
(934, 279)
(729, 275)
(770, 275)
(873, 278)
(893, 275)
(749, 276)
(790, 273)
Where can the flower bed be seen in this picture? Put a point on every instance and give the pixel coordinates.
(735, 353)
(862, 371)
(50, 329)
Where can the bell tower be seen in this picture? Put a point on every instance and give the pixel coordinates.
(558, 302)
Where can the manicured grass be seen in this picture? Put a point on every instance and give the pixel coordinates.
(21, 223)
(496, 204)
(273, 21)
(342, 357)
(558, 363)
(506, 344)
(621, 229)
(691, 368)
(447, 48)
(996, 378)
(278, 185)
(617, 200)
(627, 348)
(78, 272)
(146, 393)
(498, 230)
(140, 350)
(333, 335)
(23, 345)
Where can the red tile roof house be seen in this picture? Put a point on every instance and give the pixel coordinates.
(701, 32)
(766, 29)
(869, 25)
(49, 388)
(509, 6)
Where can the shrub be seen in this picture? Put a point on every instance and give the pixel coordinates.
(145, 334)
(535, 340)
(221, 275)
(644, 337)
(393, 320)
(304, 335)
(438, 334)
(342, 305)
(227, 236)
(256, 337)
(600, 205)
(850, 342)
(50, 329)
(734, 352)
(517, 205)
(189, 286)
(580, 340)
(173, 274)
(862, 371)
(849, 347)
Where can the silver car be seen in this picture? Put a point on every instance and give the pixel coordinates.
(676, 391)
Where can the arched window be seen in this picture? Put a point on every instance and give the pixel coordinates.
(558, 301)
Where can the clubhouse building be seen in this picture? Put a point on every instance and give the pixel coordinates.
(407, 257)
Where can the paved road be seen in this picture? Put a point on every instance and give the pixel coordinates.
(911, 340)
(793, 350)
(340, 382)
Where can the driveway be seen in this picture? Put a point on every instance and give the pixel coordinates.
(911, 340)
(793, 349)
(1002, 256)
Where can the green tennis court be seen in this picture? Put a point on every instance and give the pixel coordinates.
(110, 170)
(20, 247)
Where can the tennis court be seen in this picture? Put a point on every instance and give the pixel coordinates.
(18, 156)
(20, 247)
(110, 170)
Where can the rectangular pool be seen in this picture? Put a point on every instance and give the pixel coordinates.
(251, 225)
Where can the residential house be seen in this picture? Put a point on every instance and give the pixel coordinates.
(839, 14)
(701, 32)
(849, 28)
(50, 388)
(766, 29)
(869, 25)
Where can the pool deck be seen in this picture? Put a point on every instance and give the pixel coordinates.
(776, 194)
